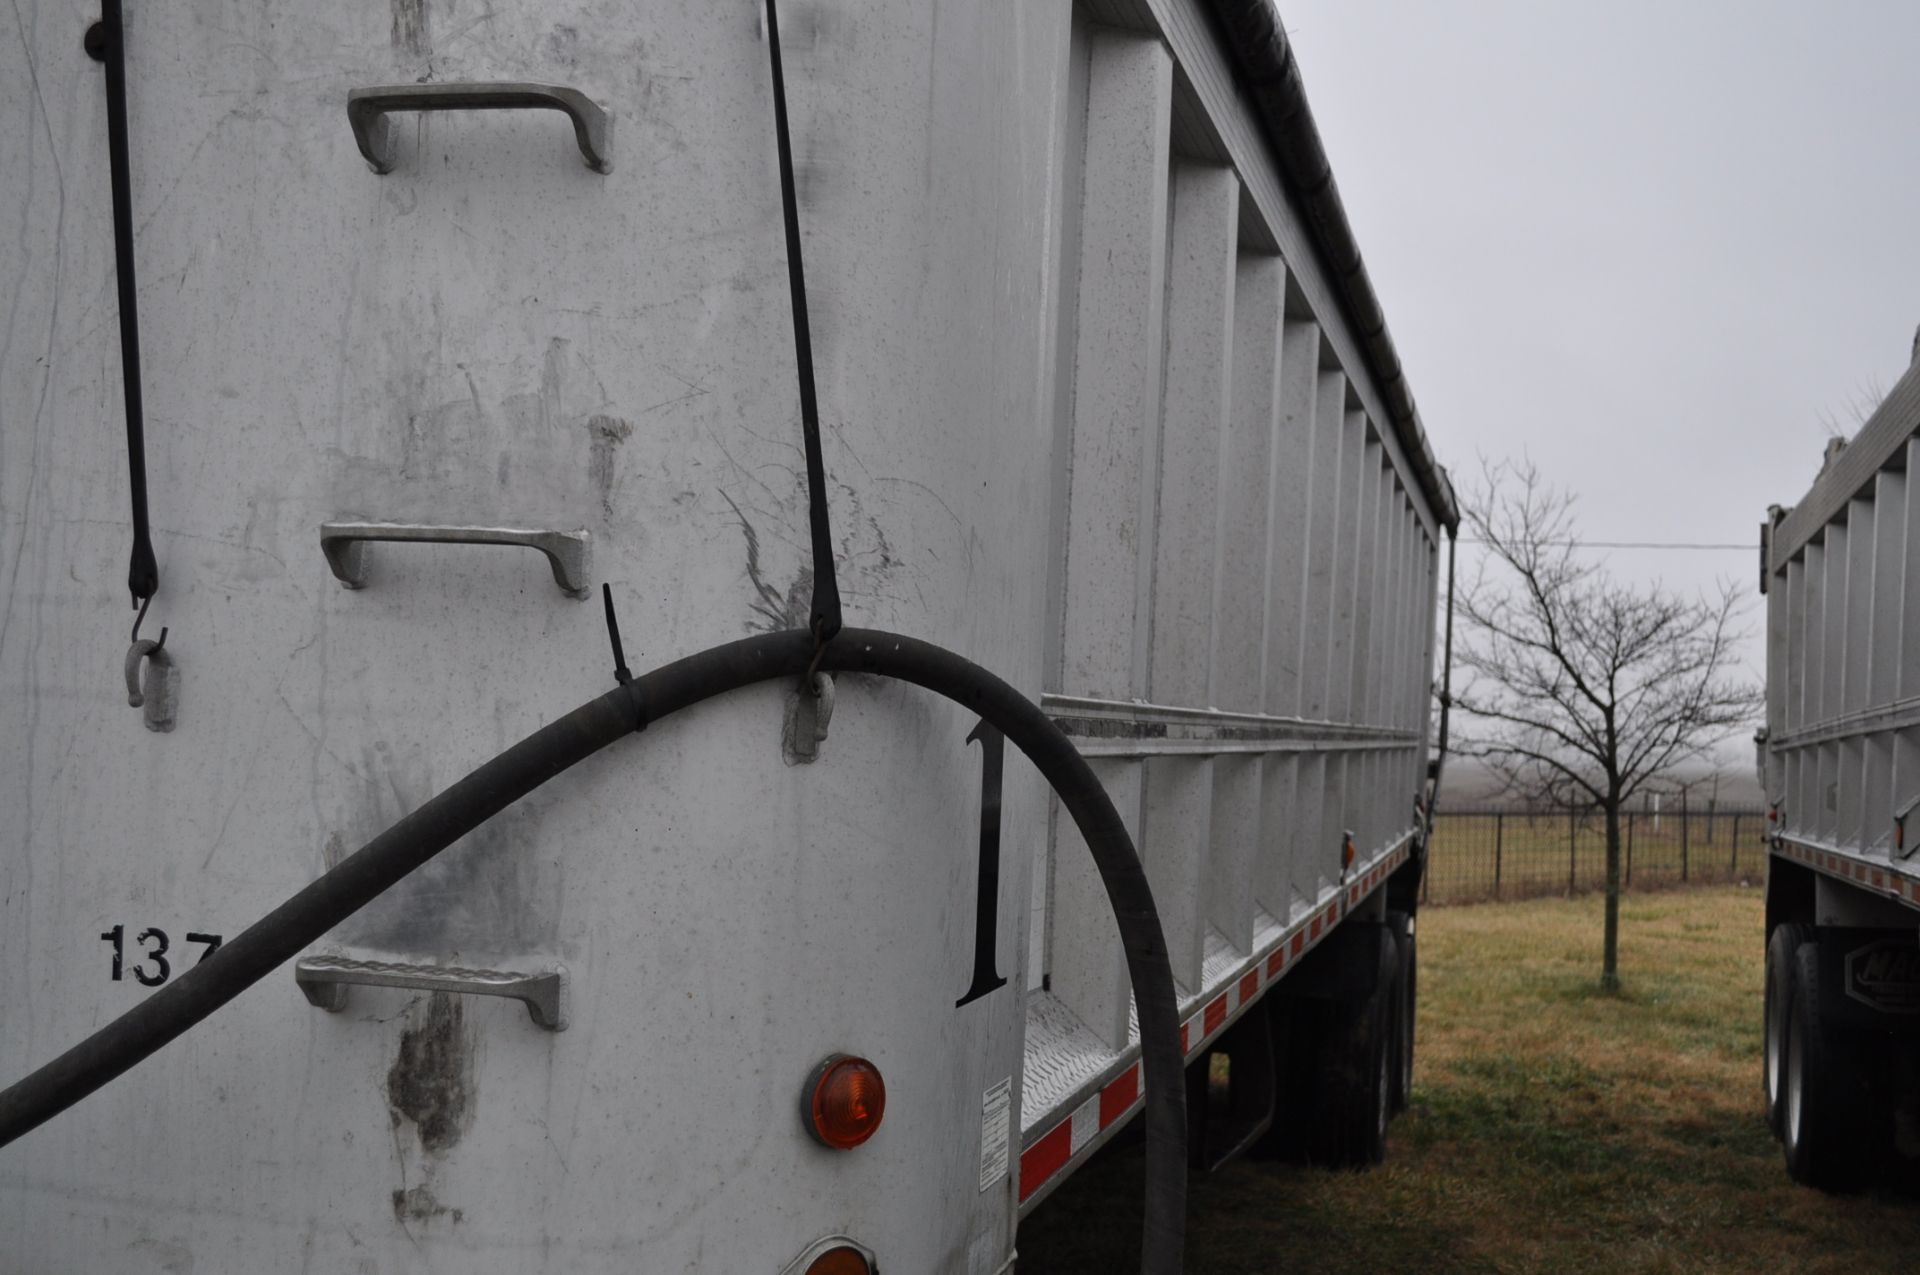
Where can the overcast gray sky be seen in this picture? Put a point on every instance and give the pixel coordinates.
(1650, 244)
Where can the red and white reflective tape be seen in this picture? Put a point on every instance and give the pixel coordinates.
(1116, 1100)
(1894, 885)
(1102, 1110)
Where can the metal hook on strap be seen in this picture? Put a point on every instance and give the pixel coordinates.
(809, 713)
(822, 689)
(811, 709)
(150, 688)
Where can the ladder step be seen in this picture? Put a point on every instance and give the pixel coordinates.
(368, 108)
(325, 980)
(344, 544)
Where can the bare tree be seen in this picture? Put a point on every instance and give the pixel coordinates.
(1862, 402)
(1579, 689)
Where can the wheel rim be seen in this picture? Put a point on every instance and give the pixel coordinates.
(1407, 1021)
(1406, 1055)
(1381, 1112)
(1795, 1082)
(1771, 1031)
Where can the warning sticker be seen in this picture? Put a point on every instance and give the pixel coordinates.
(996, 1132)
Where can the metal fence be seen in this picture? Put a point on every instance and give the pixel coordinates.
(1486, 853)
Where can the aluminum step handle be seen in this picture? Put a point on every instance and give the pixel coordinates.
(367, 111)
(345, 543)
(325, 980)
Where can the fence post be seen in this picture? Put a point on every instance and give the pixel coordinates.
(1733, 860)
(1573, 839)
(1426, 873)
(1683, 835)
(1499, 838)
(1629, 881)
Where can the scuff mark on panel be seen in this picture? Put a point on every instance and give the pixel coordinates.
(492, 895)
(604, 434)
(551, 369)
(878, 577)
(174, 1256)
(431, 1081)
(418, 1204)
(776, 612)
(563, 44)
(412, 28)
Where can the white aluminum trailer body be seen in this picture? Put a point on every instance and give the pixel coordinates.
(1840, 761)
(1097, 418)
(1841, 571)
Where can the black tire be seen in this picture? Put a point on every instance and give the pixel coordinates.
(1826, 1097)
(1406, 999)
(1782, 944)
(1295, 1028)
(1347, 1127)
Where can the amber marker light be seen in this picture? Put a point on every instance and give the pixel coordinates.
(841, 1107)
(842, 1259)
(833, 1255)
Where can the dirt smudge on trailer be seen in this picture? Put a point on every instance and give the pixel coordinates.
(552, 381)
(412, 28)
(604, 433)
(430, 1083)
(419, 1204)
(174, 1257)
(495, 894)
(563, 44)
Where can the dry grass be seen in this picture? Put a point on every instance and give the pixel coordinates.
(1552, 1128)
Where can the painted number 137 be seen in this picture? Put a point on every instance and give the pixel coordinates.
(149, 965)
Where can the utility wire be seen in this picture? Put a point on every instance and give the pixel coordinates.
(1629, 544)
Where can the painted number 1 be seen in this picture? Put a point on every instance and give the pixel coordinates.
(986, 913)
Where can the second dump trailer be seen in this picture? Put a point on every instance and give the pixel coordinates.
(449, 317)
(1840, 759)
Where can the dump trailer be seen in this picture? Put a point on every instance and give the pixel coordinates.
(751, 629)
(1839, 757)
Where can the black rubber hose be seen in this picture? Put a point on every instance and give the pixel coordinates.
(338, 893)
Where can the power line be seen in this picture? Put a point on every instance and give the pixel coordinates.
(1630, 544)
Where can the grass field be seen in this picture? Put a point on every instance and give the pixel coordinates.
(1552, 1128)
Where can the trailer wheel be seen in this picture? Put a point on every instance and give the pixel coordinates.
(1347, 1127)
(1782, 944)
(1294, 1026)
(1406, 991)
(1825, 1098)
